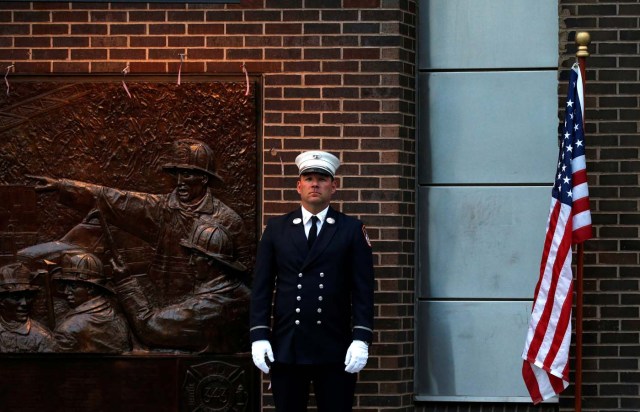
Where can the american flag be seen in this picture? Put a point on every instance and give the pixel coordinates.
(546, 352)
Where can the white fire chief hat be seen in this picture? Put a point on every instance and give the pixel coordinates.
(316, 161)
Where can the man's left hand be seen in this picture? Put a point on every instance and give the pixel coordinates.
(119, 272)
(357, 356)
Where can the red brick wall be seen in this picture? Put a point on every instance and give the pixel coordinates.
(612, 280)
(337, 75)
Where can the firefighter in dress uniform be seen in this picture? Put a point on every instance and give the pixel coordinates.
(319, 262)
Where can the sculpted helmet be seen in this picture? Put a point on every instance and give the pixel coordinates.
(215, 242)
(16, 277)
(83, 267)
(190, 154)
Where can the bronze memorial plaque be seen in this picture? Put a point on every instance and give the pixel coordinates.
(128, 227)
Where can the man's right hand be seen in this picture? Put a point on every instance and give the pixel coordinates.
(260, 350)
(44, 183)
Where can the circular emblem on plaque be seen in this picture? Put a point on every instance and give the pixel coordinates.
(214, 394)
(215, 387)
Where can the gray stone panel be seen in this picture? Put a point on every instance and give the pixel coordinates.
(487, 127)
(471, 351)
(461, 34)
(481, 242)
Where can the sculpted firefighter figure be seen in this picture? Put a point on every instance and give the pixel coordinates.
(18, 331)
(162, 220)
(93, 324)
(212, 319)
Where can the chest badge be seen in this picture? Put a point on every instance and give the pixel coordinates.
(331, 220)
(297, 221)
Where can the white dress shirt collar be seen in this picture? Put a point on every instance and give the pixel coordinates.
(306, 215)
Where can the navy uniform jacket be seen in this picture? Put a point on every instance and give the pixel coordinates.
(323, 296)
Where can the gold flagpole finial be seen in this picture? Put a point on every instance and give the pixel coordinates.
(582, 40)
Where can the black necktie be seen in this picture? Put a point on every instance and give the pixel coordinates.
(313, 232)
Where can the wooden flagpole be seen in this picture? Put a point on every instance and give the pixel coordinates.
(582, 40)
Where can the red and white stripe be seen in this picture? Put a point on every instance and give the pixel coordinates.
(546, 352)
(582, 229)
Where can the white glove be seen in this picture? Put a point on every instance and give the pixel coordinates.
(259, 350)
(357, 356)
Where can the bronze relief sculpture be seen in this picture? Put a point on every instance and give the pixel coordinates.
(143, 245)
(160, 220)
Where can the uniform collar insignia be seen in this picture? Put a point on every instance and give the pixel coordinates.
(331, 220)
(297, 221)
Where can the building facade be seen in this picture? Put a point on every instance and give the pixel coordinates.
(344, 76)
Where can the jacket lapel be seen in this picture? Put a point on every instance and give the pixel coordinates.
(329, 228)
(296, 232)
